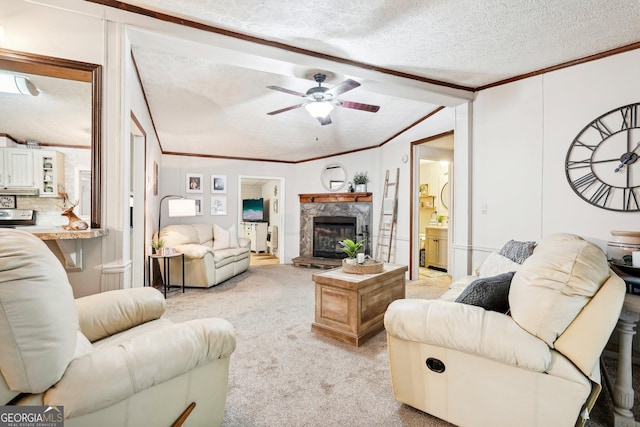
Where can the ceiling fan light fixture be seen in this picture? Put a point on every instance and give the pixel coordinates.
(10, 83)
(319, 109)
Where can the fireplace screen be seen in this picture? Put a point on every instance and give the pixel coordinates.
(328, 231)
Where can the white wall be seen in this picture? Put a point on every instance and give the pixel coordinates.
(521, 134)
(172, 181)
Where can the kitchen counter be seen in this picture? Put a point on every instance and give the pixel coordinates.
(57, 233)
(66, 244)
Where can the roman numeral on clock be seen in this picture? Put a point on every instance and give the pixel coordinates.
(602, 128)
(603, 191)
(629, 116)
(630, 199)
(585, 181)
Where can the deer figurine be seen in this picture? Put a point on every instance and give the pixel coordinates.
(75, 223)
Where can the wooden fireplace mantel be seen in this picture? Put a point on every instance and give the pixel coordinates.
(336, 197)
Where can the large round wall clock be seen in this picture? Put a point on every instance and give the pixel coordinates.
(602, 164)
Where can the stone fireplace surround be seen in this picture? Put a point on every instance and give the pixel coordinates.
(358, 205)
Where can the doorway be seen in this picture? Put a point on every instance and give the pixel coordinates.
(431, 219)
(266, 227)
(137, 203)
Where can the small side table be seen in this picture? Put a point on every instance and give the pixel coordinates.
(623, 393)
(167, 269)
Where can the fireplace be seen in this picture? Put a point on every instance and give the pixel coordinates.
(328, 231)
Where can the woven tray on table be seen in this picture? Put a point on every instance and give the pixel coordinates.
(369, 266)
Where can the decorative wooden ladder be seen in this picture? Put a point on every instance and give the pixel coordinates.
(388, 214)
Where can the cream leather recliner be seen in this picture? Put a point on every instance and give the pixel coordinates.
(536, 366)
(109, 359)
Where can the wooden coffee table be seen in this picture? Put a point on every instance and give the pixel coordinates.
(351, 307)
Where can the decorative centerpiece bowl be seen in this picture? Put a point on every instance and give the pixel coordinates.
(369, 266)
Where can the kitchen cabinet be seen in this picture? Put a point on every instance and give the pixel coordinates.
(437, 246)
(257, 233)
(16, 168)
(49, 172)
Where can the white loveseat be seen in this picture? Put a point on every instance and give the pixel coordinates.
(108, 359)
(538, 365)
(212, 254)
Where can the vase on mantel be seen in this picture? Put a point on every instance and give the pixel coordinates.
(361, 188)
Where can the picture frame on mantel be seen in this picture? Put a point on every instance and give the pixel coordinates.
(8, 202)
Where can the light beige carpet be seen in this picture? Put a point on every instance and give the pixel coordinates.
(282, 374)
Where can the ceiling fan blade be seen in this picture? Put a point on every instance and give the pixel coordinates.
(343, 87)
(289, 91)
(358, 106)
(293, 107)
(325, 120)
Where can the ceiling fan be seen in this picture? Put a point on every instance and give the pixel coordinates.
(320, 100)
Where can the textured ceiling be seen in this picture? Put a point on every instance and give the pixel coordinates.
(467, 42)
(217, 107)
(60, 114)
(207, 92)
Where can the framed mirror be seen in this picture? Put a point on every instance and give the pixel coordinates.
(334, 177)
(444, 195)
(70, 88)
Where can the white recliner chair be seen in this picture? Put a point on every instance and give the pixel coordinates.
(108, 359)
(537, 366)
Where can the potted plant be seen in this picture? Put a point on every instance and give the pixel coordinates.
(351, 248)
(360, 180)
(157, 245)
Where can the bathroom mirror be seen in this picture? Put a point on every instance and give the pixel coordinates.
(30, 117)
(444, 195)
(334, 177)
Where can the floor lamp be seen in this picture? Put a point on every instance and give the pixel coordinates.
(178, 207)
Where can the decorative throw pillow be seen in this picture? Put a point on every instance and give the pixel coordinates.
(221, 238)
(496, 264)
(490, 293)
(233, 237)
(517, 251)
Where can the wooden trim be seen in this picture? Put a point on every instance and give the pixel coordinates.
(335, 197)
(212, 156)
(184, 415)
(146, 101)
(9, 137)
(96, 146)
(417, 122)
(594, 57)
(431, 138)
(29, 63)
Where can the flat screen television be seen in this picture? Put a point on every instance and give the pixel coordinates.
(253, 210)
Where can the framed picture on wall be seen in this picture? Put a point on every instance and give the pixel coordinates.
(199, 201)
(194, 182)
(155, 178)
(218, 183)
(218, 205)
